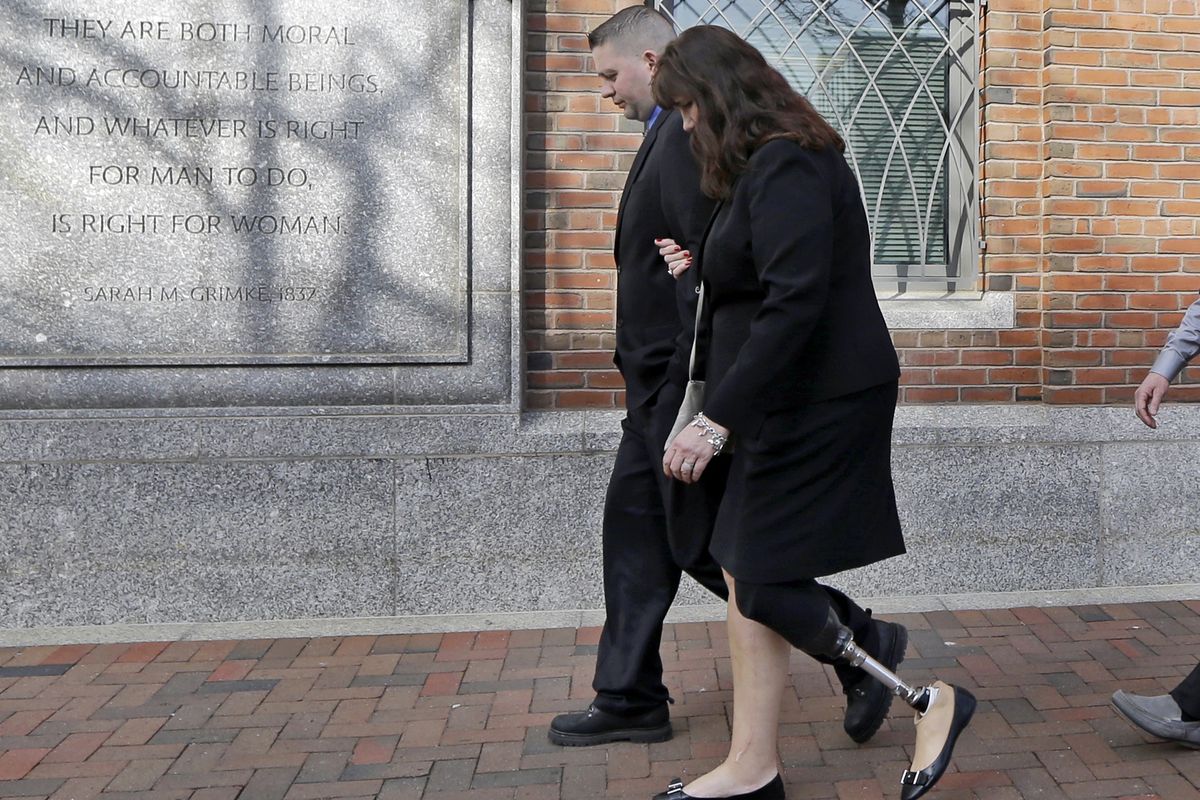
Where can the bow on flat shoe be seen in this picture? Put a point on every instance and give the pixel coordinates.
(773, 790)
(937, 730)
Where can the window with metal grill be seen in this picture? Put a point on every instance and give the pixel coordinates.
(897, 79)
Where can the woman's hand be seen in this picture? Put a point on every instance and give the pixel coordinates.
(689, 452)
(678, 260)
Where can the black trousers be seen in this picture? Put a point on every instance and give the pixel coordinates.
(655, 529)
(798, 610)
(1187, 694)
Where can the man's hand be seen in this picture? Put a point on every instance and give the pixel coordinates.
(1148, 397)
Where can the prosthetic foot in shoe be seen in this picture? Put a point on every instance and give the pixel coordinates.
(947, 714)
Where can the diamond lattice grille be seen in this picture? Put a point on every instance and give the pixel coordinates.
(896, 78)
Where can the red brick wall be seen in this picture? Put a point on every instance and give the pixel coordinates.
(576, 158)
(1090, 185)
(997, 366)
(1121, 86)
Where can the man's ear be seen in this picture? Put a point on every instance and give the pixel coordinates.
(651, 59)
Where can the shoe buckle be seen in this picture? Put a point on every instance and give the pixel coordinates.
(910, 778)
(675, 788)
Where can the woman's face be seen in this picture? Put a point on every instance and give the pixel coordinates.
(690, 113)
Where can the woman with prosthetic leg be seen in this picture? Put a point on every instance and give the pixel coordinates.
(800, 394)
(943, 711)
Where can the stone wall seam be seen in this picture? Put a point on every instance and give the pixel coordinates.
(1105, 516)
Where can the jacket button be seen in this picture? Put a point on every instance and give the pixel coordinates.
(620, 322)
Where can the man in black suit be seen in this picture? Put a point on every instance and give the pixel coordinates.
(654, 528)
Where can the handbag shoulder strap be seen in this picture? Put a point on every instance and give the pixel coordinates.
(696, 331)
(712, 217)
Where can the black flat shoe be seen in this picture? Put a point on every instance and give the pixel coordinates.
(773, 790)
(952, 721)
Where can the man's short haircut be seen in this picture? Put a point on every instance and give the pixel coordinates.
(638, 27)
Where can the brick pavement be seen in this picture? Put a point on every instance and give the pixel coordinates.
(464, 715)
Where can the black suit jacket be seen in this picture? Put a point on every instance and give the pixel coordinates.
(791, 310)
(655, 312)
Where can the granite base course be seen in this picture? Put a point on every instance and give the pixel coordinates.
(236, 514)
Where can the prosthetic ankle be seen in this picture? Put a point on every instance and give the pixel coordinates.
(836, 641)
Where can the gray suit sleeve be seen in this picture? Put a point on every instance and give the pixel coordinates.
(1182, 345)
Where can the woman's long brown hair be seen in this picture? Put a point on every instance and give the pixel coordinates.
(743, 103)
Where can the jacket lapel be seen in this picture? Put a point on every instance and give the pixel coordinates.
(639, 161)
(708, 226)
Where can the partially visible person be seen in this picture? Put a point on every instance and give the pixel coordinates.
(802, 378)
(1182, 345)
(1174, 716)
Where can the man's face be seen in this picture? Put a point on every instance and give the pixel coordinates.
(625, 79)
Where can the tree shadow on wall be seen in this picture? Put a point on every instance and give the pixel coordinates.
(359, 269)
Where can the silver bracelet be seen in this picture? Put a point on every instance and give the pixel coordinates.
(716, 439)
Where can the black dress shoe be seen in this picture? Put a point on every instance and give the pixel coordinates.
(915, 784)
(773, 790)
(868, 701)
(594, 726)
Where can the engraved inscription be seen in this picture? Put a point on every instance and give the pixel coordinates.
(203, 182)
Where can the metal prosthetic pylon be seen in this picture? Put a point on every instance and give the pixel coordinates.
(846, 650)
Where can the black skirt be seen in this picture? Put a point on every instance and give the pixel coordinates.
(810, 493)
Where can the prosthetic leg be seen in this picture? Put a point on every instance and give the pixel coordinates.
(943, 711)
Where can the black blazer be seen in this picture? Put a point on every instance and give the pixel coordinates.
(655, 312)
(790, 307)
